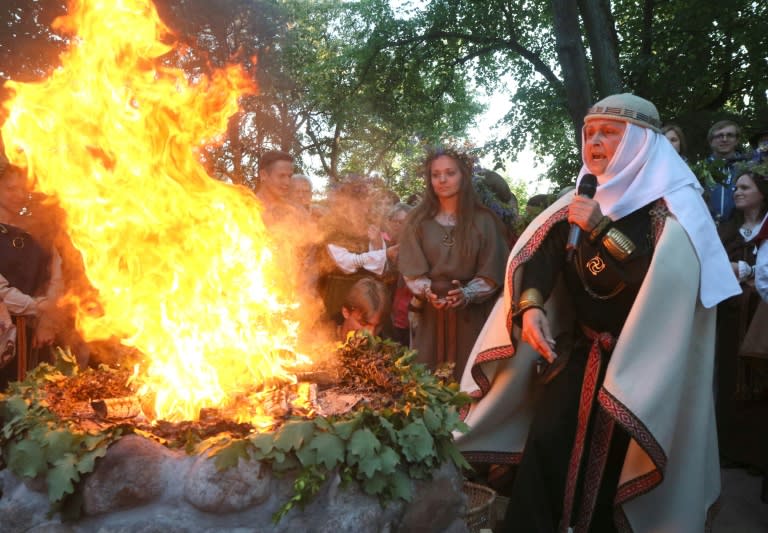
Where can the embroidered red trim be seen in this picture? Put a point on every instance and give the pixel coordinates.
(640, 433)
(525, 254)
(588, 388)
(501, 458)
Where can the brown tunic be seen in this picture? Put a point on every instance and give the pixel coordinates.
(424, 253)
(741, 405)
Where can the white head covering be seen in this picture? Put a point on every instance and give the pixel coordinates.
(645, 168)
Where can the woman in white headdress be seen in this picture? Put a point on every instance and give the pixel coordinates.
(594, 372)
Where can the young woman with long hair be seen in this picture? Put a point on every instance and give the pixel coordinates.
(452, 256)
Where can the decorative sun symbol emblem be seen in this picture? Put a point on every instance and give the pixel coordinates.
(595, 265)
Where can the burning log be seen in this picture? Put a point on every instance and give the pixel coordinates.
(117, 408)
(278, 403)
(304, 400)
(82, 410)
(209, 414)
(322, 378)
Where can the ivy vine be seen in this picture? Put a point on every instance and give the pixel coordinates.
(35, 443)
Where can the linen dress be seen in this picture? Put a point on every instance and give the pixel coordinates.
(432, 251)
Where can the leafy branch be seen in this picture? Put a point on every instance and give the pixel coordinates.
(711, 173)
(35, 443)
(380, 447)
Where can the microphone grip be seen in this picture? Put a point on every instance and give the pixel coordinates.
(573, 241)
(587, 188)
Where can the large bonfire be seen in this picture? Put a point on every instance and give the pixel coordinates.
(184, 274)
(181, 262)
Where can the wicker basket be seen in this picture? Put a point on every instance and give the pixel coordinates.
(480, 509)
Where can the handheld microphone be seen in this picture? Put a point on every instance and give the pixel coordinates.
(587, 187)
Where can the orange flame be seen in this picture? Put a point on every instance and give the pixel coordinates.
(181, 262)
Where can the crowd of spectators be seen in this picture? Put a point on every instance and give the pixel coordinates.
(438, 255)
(734, 178)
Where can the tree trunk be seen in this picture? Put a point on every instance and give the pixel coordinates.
(317, 145)
(234, 134)
(603, 45)
(573, 61)
(287, 131)
(335, 153)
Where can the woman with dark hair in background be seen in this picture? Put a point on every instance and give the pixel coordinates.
(741, 381)
(675, 136)
(452, 256)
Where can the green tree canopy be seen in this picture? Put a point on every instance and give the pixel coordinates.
(695, 59)
(361, 86)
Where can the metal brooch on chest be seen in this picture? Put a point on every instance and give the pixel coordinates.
(17, 242)
(595, 265)
(448, 239)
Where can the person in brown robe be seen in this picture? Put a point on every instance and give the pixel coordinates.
(742, 360)
(452, 257)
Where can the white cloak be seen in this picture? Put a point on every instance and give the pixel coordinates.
(658, 385)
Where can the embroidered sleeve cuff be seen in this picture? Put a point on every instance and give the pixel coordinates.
(478, 290)
(349, 262)
(418, 285)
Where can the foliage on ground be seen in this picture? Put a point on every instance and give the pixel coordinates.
(402, 432)
(36, 443)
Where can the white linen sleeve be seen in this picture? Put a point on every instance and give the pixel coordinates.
(761, 270)
(16, 301)
(418, 285)
(373, 261)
